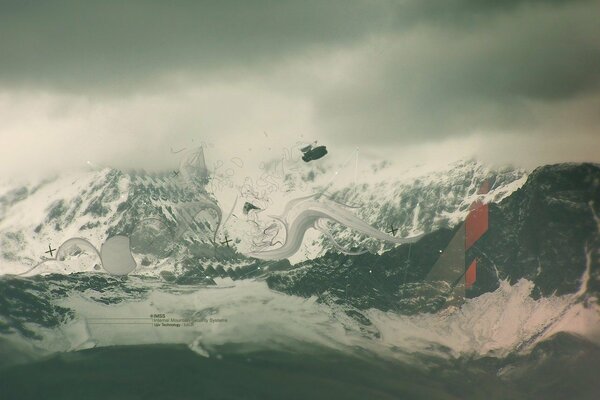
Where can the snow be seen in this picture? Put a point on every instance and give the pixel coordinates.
(495, 324)
(379, 188)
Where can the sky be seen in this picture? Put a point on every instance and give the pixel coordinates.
(123, 84)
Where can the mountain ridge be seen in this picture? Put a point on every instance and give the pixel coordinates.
(100, 204)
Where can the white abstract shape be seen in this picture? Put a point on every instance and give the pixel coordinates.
(321, 226)
(64, 250)
(75, 243)
(193, 167)
(302, 213)
(187, 216)
(116, 256)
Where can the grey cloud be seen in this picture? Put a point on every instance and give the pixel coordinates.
(434, 82)
(412, 71)
(111, 44)
(463, 13)
(73, 44)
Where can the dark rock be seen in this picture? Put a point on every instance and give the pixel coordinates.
(249, 207)
(544, 232)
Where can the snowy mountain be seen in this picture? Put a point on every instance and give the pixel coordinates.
(538, 271)
(416, 202)
(167, 215)
(547, 233)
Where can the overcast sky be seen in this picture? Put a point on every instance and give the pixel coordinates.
(120, 83)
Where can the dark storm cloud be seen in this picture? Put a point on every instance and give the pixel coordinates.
(462, 11)
(492, 75)
(75, 44)
(414, 70)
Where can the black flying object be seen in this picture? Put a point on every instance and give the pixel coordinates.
(313, 153)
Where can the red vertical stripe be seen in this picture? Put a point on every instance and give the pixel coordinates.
(475, 226)
(476, 223)
(471, 274)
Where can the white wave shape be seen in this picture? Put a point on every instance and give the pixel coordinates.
(304, 213)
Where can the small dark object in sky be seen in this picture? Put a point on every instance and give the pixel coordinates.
(248, 207)
(311, 153)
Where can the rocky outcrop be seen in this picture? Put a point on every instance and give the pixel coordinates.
(545, 232)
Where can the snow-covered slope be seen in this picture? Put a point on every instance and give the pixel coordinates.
(415, 200)
(49, 212)
(98, 204)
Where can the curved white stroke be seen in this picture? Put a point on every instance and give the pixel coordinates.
(321, 226)
(78, 241)
(60, 253)
(307, 211)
